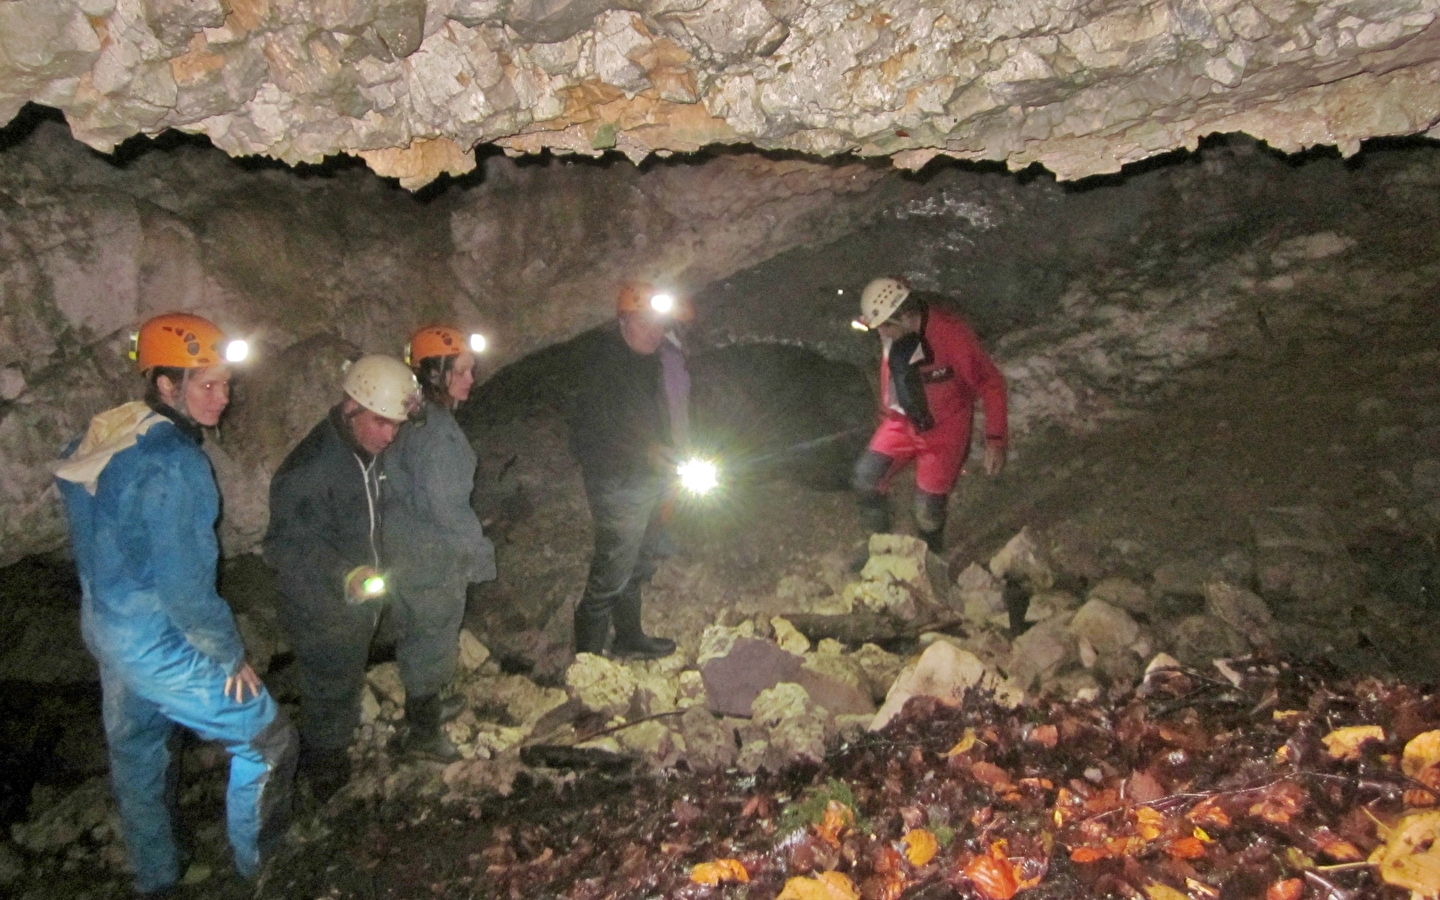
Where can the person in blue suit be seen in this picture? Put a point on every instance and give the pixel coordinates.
(142, 505)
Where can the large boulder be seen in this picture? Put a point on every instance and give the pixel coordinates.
(945, 672)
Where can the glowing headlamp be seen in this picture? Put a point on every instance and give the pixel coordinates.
(664, 304)
(373, 586)
(477, 343)
(858, 325)
(237, 351)
(698, 476)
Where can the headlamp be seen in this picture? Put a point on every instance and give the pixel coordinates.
(373, 586)
(477, 343)
(664, 304)
(859, 325)
(237, 351)
(698, 476)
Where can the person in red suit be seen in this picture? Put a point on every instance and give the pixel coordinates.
(932, 371)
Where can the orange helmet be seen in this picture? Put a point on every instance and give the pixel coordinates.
(182, 341)
(642, 296)
(441, 340)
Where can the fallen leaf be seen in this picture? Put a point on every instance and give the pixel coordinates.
(1148, 823)
(1208, 813)
(1289, 889)
(1279, 803)
(993, 878)
(713, 873)
(1045, 735)
(1185, 848)
(838, 818)
(1157, 891)
(825, 886)
(991, 774)
(1410, 856)
(1420, 754)
(1345, 743)
(967, 740)
(920, 846)
(1337, 848)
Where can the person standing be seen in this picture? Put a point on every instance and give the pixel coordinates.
(142, 506)
(628, 423)
(932, 371)
(324, 543)
(431, 533)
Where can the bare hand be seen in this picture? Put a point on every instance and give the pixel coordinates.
(994, 459)
(244, 679)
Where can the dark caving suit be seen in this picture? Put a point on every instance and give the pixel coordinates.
(929, 382)
(325, 521)
(620, 428)
(142, 504)
(435, 544)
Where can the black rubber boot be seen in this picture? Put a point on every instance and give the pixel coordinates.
(424, 736)
(326, 771)
(591, 629)
(874, 512)
(452, 706)
(935, 540)
(631, 642)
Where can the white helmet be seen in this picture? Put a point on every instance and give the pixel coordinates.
(383, 385)
(880, 299)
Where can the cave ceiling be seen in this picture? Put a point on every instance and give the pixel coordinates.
(1079, 86)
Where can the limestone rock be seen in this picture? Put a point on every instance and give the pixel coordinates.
(1300, 556)
(1107, 628)
(836, 696)
(369, 706)
(709, 746)
(945, 672)
(1197, 640)
(473, 654)
(1040, 652)
(1049, 604)
(1021, 560)
(880, 668)
(790, 640)
(385, 679)
(1122, 593)
(785, 726)
(652, 740)
(901, 577)
(601, 685)
(1184, 577)
(717, 640)
(1242, 610)
(12, 866)
(982, 596)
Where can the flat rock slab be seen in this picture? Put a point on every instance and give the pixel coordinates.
(733, 681)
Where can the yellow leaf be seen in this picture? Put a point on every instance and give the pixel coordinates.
(1148, 823)
(825, 886)
(1200, 835)
(1157, 891)
(1410, 856)
(1344, 743)
(920, 846)
(712, 873)
(967, 740)
(1421, 753)
(1285, 715)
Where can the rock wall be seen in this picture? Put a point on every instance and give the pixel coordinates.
(316, 268)
(413, 85)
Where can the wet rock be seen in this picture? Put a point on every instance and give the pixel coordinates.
(1107, 628)
(709, 745)
(1310, 247)
(1121, 670)
(717, 640)
(1299, 556)
(945, 672)
(733, 681)
(1122, 593)
(785, 726)
(1073, 552)
(1078, 685)
(1040, 652)
(789, 640)
(902, 559)
(655, 692)
(834, 695)
(880, 668)
(523, 700)
(1242, 610)
(1049, 604)
(1021, 560)
(1197, 640)
(369, 706)
(601, 685)
(651, 740)
(1180, 577)
(473, 654)
(690, 690)
(982, 597)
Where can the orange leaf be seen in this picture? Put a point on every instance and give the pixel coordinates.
(838, 817)
(1345, 743)
(1289, 889)
(1280, 803)
(1148, 823)
(993, 878)
(713, 873)
(825, 886)
(1209, 814)
(1044, 735)
(1336, 847)
(1186, 848)
(920, 846)
(1087, 855)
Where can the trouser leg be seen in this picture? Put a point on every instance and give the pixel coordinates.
(330, 657)
(930, 514)
(869, 474)
(428, 645)
(138, 735)
(622, 514)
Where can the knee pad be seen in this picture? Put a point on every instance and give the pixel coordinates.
(930, 511)
(870, 469)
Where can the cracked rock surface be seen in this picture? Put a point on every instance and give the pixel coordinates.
(412, 86)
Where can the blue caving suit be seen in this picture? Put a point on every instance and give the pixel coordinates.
(434, 542)
(142, 504)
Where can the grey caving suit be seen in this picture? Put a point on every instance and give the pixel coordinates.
(324, 522)
(435, 544)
